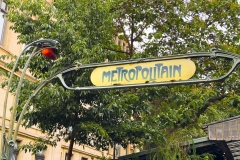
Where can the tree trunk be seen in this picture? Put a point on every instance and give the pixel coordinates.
(70, 148)
(131, 39)
(114, 153)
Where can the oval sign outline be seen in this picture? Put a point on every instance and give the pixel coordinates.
(147, 72)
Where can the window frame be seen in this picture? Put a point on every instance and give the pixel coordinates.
(3, 10)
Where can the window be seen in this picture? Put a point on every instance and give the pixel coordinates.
(2, 21)
(39, 155)
(119, 42)
(83, 158)
(123, 47)
(117, 150)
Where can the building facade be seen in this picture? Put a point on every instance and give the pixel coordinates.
(9, 46)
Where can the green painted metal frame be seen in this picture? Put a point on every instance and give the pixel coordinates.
(7, 144)
(214, 53)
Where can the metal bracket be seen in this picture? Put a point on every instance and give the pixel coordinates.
(213, 53)
(8, 148)
(4, 150)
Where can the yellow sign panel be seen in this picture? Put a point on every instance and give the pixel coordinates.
(147, 72)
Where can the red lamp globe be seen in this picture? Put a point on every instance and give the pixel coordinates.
(49, 53)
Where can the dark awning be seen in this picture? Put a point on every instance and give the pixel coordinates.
(201, 145)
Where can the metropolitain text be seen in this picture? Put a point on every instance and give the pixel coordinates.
(147, 73)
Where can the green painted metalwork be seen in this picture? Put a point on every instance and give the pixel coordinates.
(7, 144)
(214, 53)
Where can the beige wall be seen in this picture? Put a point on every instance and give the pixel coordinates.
(10, 47)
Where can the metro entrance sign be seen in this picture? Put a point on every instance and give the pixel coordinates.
(158, 71)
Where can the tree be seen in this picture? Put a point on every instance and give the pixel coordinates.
(163, 115)
(84, 30)
(178, 27)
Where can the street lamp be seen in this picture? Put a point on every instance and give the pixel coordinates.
(49, 50)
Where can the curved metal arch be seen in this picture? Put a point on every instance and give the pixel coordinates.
(77, 67)
(214, 53)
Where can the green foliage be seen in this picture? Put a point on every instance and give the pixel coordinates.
(103, 158)
(153, 116)
(3, 73)
(84, 30)
(179, 27)
(40, 144)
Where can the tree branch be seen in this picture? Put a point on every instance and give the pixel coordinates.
(208, 103)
